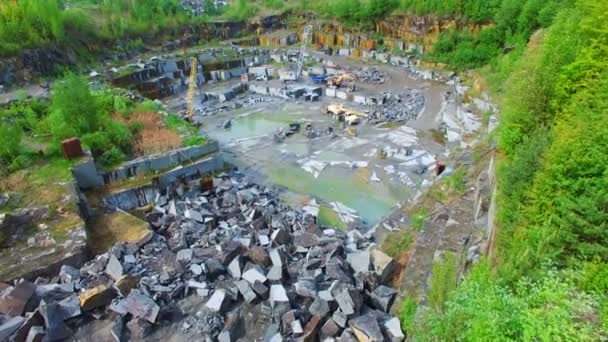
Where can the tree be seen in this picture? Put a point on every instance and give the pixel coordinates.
(74, 109)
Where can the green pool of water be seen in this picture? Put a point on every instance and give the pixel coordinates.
(371, 200)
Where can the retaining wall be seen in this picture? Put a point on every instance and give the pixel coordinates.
(88, 176)
(142, 196)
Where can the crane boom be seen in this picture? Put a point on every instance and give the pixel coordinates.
(300, 64)
(191, 87)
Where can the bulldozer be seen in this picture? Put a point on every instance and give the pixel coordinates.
(350, 116)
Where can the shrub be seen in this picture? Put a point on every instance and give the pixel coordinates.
(111, 157)
(443, 281)
(10, 142)
(74, 109)
(396, 243)
(407, 313)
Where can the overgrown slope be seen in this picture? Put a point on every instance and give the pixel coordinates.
(549, 280)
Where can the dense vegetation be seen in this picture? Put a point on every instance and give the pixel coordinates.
(360, 13)
(109, 124)
(513, 21)
(33, 23)
(549, 279)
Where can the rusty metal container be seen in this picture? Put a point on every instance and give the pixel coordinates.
(439, 167)
(71, 148)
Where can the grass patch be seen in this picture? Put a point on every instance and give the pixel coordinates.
(397, 243)
(56, 170)
(456, 181)
(418, 219)
(192, 136)
(44, 184)
(438, 136)
(407, 313)
(63, 224)
(329, 217)
(443, 281)
(116, 227)
(194, 140)
(182, 126)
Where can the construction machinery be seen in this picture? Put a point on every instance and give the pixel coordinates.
(350, 116)
(300, 63)
(191, 88)
(338, 81)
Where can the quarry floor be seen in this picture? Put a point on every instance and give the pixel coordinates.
(338, 169)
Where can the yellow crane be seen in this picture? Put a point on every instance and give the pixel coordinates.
(191, 88)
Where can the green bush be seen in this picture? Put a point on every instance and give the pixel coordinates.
(484, 310)
(111, 157)
(33, 23)
(78, 112)
(20, 162)
(10, 142)
(98, 142)
(240, 10)
(360, 13)
(74, 109)
(407, 313)
(443, 281)
(397, 243)
(477, 11)
(515, 21)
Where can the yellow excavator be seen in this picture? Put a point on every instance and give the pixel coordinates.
(350, 116)
(338, 81)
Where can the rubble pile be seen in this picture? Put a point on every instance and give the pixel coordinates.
(371, 75)
(214, 107)
(235, 246)
(398, 107)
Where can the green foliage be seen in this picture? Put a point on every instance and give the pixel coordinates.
(443, 281)
(515, 21)
(111, 157)
(74, 109)
(593, 277)
(418, 219)
(457, 180)
(407, 313)
(553, 132)
(360, 13)
(240, 10)
(552, 183)
(26, 23)
(274, 4)
(10, 142)
(27, 114)
(462, 49)
(477, 11)
(131, 17)
(397, 243)
(33, 23)
(194, 140)
(484, 310)
(78, 112)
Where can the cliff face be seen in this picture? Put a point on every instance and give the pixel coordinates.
(35, 62)
(407, 32)
(422, 31)
(50, 60)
